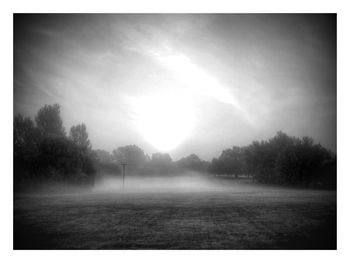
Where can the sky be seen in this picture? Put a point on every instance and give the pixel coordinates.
(180, 83)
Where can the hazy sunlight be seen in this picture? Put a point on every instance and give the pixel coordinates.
(164, 120)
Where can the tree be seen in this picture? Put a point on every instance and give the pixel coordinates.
(161, 158)
(328, 175)
(26, 140)
(25, 135)
(105, 163)
(303, 163)
(103, 156)
(160, 164)
(231, 161)
(289, 160)
(261, 157)
(60, 159)
(49, 121)
(80, 136)
(43, 152)
(131, 154)
(193, 163)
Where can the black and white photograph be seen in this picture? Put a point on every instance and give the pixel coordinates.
(174, 131)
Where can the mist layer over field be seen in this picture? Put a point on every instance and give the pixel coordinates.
(191, 182)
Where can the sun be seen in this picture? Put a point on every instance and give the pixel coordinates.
(167, 119)
(164, 120)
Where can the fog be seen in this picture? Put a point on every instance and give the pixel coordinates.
(190, 182)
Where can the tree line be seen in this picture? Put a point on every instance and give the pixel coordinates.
(43, 151)
(282, 159)
(140, 163)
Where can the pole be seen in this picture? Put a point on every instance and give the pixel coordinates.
(123, 175)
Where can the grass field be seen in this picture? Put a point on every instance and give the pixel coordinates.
(233, 214)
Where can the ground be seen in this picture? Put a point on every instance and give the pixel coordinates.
(243, 215)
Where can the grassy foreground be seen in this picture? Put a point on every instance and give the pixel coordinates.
(240, 216)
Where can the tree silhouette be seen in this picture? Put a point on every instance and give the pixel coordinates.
(44, 153)
(26, 140)
(193, 163)
(80, 136)
(230, 162)
(49, 121)
(105, 162)
(131, 154)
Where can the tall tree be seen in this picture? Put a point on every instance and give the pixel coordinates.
(80, 136)
(49, 121)
(25, 135)
(26, 139)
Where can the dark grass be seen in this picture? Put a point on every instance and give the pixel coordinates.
(246, 217)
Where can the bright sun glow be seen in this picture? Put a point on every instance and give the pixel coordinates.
(164, 120)
(167, 120)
